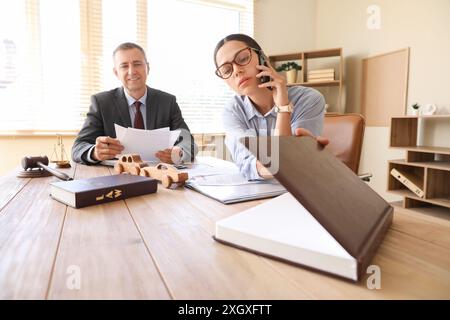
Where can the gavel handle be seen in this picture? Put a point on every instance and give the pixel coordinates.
(54, 172)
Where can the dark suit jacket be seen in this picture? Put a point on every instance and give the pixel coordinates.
(111, 107)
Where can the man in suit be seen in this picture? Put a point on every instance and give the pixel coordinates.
(133, 105)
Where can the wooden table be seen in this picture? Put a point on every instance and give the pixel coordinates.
(159, 246)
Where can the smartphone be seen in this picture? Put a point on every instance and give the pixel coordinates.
(262, 61)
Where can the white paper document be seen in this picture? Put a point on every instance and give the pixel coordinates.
(222, 180)
(146, 142)
(201, 169)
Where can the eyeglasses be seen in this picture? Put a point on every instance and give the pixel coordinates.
(242, 58)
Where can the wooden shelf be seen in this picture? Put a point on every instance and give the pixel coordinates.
(333, 83)
(425, 149)
(444, 165)
(415, 174)
(428, 166)
(406, 193)
(443, 202)
(434, 116)
(304, 57)
(404, 131)
(323, 53)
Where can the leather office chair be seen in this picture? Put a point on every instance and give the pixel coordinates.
(346, 133)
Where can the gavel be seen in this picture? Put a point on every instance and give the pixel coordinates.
(42, 162)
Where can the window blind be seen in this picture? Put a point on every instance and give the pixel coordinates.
(55, 54)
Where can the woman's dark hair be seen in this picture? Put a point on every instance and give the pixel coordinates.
(236, 37)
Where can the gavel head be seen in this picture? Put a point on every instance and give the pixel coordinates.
(32, 162)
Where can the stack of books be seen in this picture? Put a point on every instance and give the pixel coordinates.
(321, 75)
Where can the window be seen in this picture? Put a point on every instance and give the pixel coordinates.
(41, 69)
(180, 49)
(54, 54)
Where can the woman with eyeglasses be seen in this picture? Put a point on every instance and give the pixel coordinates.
(263, 104)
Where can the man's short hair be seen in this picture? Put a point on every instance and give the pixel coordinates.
(128, 46)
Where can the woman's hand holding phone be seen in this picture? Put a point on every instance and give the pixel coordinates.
(263, 62)
(276, 82)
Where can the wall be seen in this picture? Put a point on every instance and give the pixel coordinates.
(422, 25)
(14, 148)
(285, 26)
(19, 146)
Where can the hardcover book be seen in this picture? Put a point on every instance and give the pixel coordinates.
(86, 192)
(330, 221)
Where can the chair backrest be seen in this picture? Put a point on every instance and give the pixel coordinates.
(346, 133)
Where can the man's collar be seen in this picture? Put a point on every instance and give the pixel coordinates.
(131, 100)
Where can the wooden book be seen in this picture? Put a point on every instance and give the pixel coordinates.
(411, 181)
(331, 221)
(87, 192)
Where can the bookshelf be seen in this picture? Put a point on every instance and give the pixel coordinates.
(308, 59)
(429, 164)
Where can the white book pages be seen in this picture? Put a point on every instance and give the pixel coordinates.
(283, 228)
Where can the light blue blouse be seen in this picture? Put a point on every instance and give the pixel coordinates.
(241, 118)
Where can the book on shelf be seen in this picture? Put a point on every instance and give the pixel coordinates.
(321, 71)
(321, 77)
(86, 192)
(325, 75)
(329, 221)
(411, 181)
(321, 80)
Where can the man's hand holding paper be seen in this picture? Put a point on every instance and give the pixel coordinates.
(170, 155)
(106, 148)
(151, 145)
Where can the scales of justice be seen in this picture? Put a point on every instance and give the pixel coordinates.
(59, 156)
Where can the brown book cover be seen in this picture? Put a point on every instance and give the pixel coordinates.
(86, 192)
(354, 214)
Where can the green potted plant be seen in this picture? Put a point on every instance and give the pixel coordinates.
(291, 69)
(415, 108)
